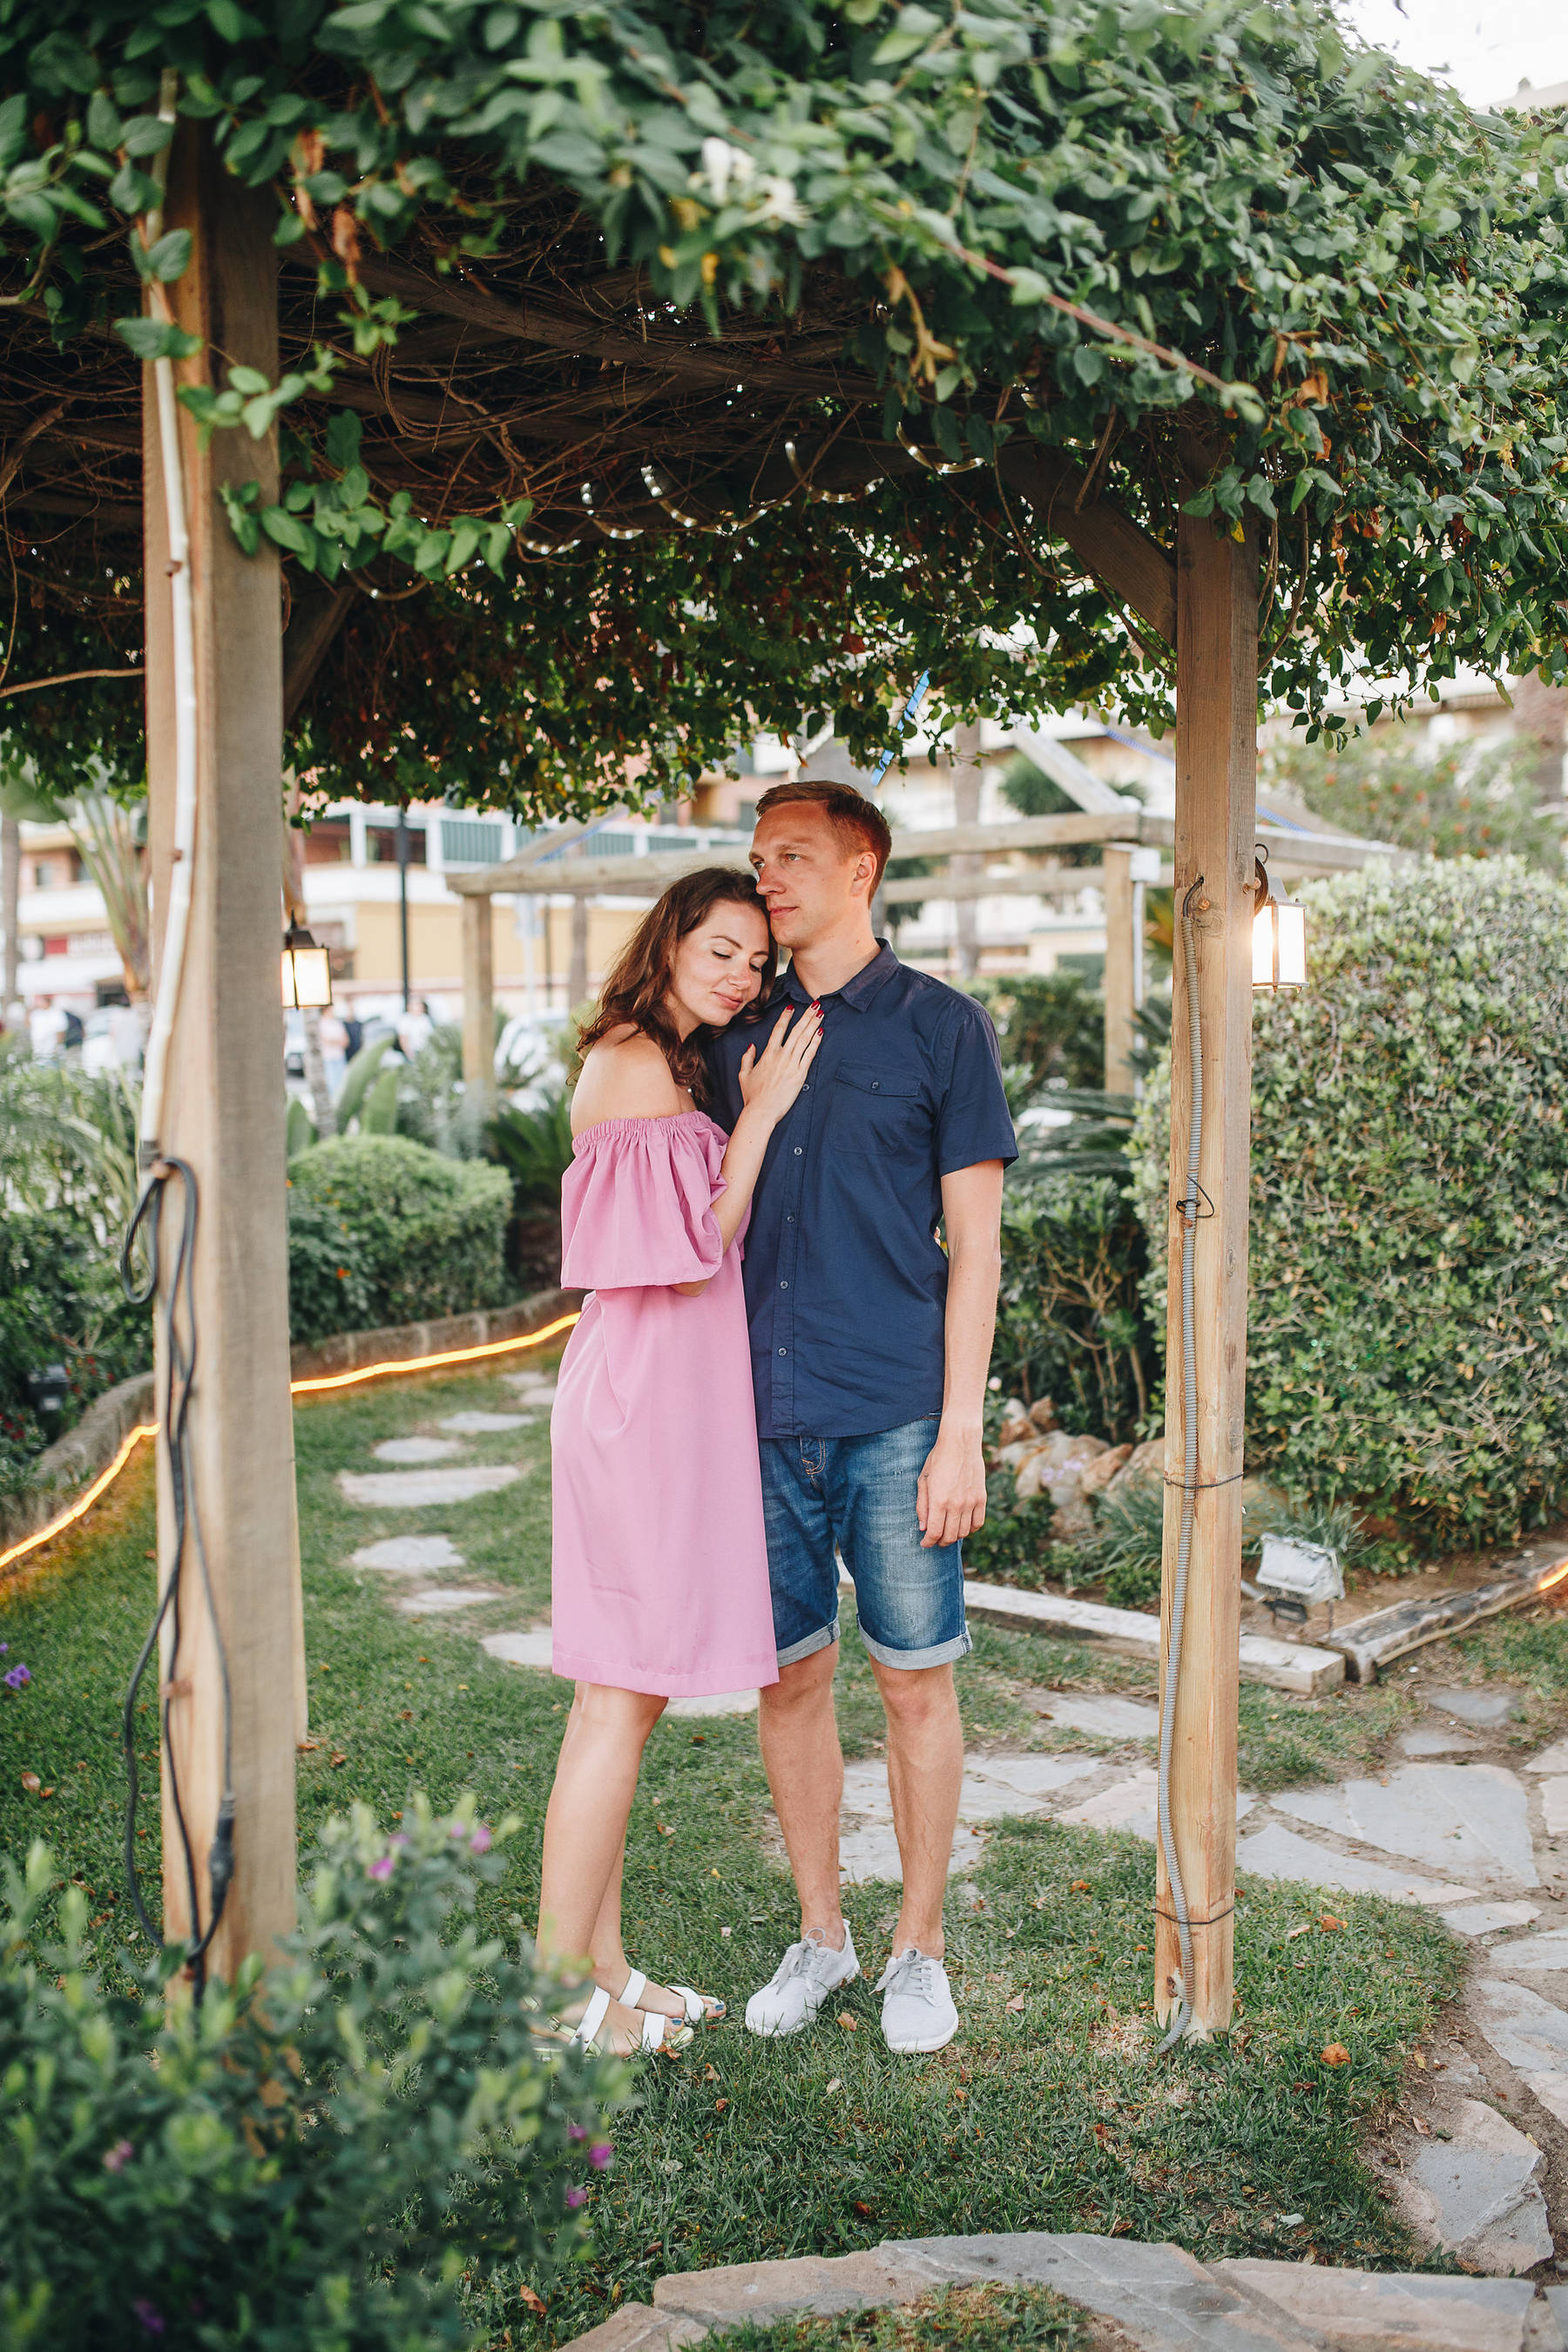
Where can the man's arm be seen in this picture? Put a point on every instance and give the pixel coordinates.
(951, 1494)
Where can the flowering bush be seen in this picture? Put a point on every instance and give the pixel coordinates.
(320, 2155)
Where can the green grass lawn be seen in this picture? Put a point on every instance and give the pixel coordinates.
(1048, 2113)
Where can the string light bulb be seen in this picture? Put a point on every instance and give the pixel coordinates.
(1278, 934)
(307, 972)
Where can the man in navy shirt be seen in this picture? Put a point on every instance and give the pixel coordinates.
(870, 1344)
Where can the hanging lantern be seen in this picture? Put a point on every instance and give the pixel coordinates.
(1278, 935)
(307, 972)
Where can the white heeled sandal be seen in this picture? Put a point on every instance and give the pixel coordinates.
(660, 2032)
(702, 2008)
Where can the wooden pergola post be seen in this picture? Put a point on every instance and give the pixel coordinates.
(1216, 735)
(1120, 967)
(224, 1112)
(478, 1002)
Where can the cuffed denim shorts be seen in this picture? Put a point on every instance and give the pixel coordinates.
(856, 1496)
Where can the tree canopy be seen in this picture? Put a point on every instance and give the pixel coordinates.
(589, 311)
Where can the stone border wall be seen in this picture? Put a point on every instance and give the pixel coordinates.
(75, 1459)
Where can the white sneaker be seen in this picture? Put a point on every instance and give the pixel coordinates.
(801, 1982)
(918, 2010)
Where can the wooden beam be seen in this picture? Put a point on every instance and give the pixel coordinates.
(478, 1002)
(1121, 969)
(224, 1110)
(1118, 551)
(1216, 735)
(319, 614)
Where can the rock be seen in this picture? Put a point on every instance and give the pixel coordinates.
(1476, 2194)
(637, 2327)
(1014, 1456)
(1100, 1473)
(1159, 2296)
(1468, 1818)
(1058, 1463)
(1043, 1414)
(1071, 1521)
(1035, 1474)
(1380, 2309)
(1145, 1462)
(1016, 1427)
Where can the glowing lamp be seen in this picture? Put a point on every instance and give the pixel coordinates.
(1278, 935)
(307, 972)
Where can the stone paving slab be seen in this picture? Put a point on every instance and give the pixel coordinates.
(1476, 2193)
(379, 1490)
(1106, 1718)
(1164, 2299)
(441, 1598)
(1528, 2033)
(409, 1555)
(1472, 1819)
(1485, 1708)
(533, 1387)
(1435, 1741)
(1554, 1805)
(1535, 1954)
(1133, 1804)
(1551, 1760)
(1485, 1918)
(870, 1852)
(1370, 2307)
(758, 2293)
(535, 1648)
(715, 1703)
(483, 1425)
(637, 2327)
(409, 1451)
(1275, 1851)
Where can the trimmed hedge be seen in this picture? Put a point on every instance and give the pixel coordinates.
(420, 1236)
(1408, 1334)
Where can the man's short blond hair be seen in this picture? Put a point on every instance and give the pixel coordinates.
(857, 823)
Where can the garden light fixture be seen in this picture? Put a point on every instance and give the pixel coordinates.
(307, 972)
(1278, 934)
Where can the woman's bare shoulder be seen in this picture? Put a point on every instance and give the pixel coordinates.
(625, 1075)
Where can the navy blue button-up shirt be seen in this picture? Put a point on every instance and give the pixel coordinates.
(846, 1282)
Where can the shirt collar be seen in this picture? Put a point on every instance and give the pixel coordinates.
(858, 991)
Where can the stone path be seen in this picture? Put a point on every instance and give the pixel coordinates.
(1139, 2298)
(1450, 1826)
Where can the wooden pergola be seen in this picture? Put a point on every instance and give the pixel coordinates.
(541, 275)
(1293, 851)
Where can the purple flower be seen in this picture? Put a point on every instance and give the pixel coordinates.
(117, 2158)
(481, 1841)
(4, 1647)
(457, 1831)
(575, 2131)
(381, 1866)
(16, 1677)
(398, 1838)
(576, 2197)
(150, 2316)
(601, 2155)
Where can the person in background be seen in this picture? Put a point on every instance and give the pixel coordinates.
(870, 1346)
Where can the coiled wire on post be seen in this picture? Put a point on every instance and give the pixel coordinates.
(1182, 2015)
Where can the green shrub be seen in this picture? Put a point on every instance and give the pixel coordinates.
(60, 1302)
(318, 2159)
(1408, 1334)
(1070, 1323)
(1457, 800)
(428, 1233)
(1050, 1033)
(327, 1287)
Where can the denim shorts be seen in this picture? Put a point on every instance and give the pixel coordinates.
(856, 1496)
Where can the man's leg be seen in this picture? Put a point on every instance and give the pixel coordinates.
(925, 1772)
(805, 1765)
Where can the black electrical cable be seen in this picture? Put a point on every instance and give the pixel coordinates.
(179, 1377)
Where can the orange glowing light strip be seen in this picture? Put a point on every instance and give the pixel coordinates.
(106, 1478)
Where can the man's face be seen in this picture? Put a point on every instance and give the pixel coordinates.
(808, 882)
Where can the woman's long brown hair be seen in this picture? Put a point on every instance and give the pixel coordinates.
(639, 984)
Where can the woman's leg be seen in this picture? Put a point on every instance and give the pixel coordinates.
(585, 1827)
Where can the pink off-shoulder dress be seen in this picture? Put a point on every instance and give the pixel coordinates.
(659, 1573)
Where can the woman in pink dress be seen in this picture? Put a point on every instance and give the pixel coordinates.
(660, 1573)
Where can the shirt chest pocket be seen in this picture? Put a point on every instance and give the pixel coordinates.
(877, 1113)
